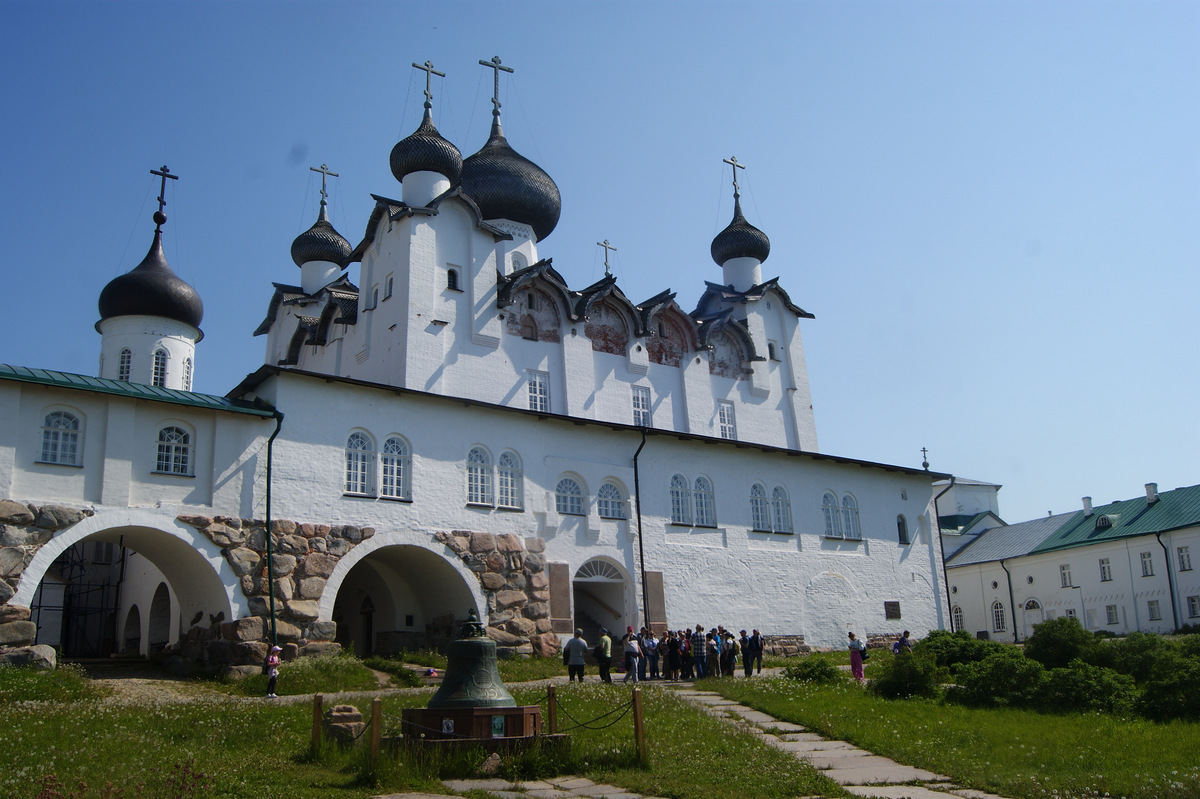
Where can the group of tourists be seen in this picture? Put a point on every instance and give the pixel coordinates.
(677, 655)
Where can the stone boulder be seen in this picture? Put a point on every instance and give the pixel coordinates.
(39, 657)
(545, 645)
(14, 613)
(17, 633)
(344, 724)
(14, 513)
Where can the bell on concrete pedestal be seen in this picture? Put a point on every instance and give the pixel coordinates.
(471, 678)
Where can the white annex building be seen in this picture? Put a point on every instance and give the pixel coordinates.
(1121, 567)
(442, 423)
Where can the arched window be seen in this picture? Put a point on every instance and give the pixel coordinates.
(174, 451)
(998, 624)
(850, 518)
(479, 477)
(610, 502)
(568, 497)
(187, 374)
(833, 516)
(902, 529)
(957, 618)
(60, 439)
(781, 508)
(702, 496)
(124, 364)
(396, 463)
(681, 500)
(510, 481)
(452, 279)
(159, 376)
(760, 511)
(360, 462)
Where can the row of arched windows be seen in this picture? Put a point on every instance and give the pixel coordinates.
(62, 444)
(841, 521)
(386, 473)
(497, 483)
(158, 371)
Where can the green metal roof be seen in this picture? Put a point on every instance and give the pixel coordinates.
(121, 388)
(1128, 518)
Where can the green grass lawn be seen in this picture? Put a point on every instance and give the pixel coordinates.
(1016, 753)
(257, 748)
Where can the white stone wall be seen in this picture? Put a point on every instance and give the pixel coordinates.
(782, 584)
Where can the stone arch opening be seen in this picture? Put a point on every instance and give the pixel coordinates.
(135, 566)
(601, 598)
(158, 624)
(131, 640)
(385, 598)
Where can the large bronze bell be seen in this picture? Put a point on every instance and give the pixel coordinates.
(472, 679)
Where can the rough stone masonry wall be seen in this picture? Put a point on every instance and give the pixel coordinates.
(510, 572)
(513, 578)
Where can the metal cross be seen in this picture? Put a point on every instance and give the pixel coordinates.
(606, 247)
(164, 173)
(495, 64)
(733, 162)
(925, 458)
(427, 67)
(324, 170)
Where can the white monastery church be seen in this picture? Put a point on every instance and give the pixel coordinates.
(442, 423)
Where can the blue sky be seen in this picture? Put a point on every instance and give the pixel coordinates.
(993, 208)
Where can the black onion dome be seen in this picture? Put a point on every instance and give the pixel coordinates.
(740, 239)
(152, 289)
(320, 243)
(506, 185)
(426, 151)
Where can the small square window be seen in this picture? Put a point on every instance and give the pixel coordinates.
(1153, 609)
(1112, 614)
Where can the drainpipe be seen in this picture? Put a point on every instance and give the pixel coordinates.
(270, 565)
(1012, 603)
(937, 525)
(637, 495)
(1170, 582)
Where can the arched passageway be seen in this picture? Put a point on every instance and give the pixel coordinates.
(125, 582)
(398, 597)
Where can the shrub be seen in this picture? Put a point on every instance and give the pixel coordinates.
(1173, 689)
(1056, 642)
(815, 669)
(906, 675)
(1082, 687)
(1004, 678)
(1137, 653)
(952, 649)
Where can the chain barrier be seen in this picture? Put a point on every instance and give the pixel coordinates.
(588, 725)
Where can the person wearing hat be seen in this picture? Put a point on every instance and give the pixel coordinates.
(272, 670)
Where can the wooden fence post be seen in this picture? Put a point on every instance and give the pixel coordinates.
(552, 708)
(316, 727)
(376, 726)
(639, 729)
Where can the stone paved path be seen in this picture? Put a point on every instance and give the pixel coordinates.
(859, 772)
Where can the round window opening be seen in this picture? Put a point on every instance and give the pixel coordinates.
(954, 589)
(1029, 579)
(995, 584)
